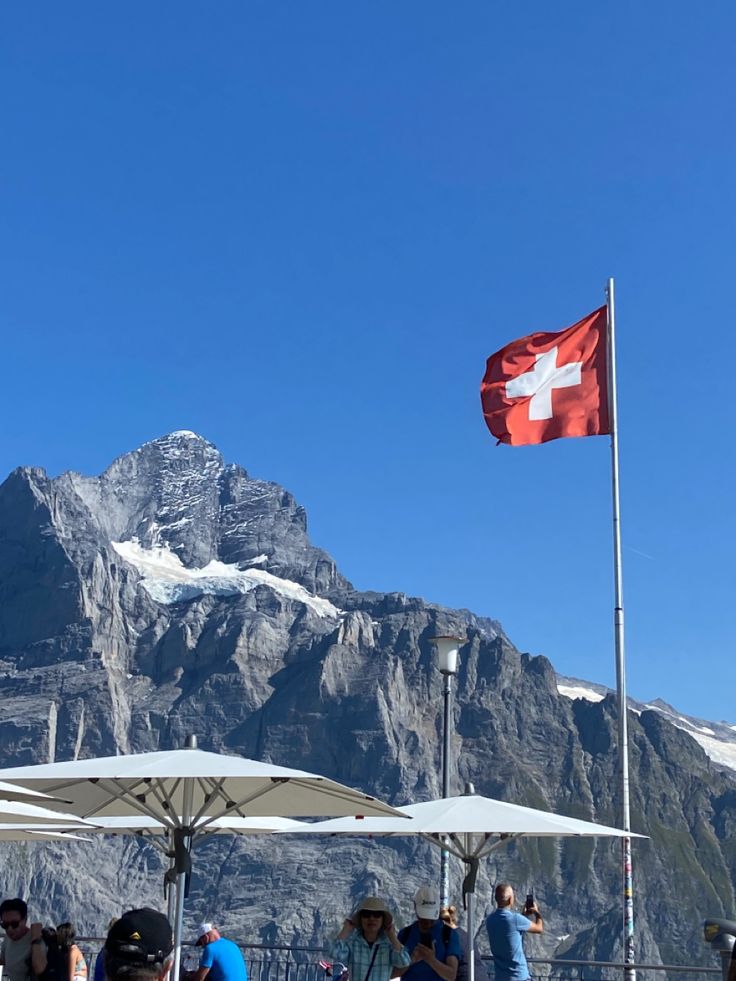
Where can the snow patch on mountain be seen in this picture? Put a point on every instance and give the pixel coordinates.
(167, 580)
(579, 691)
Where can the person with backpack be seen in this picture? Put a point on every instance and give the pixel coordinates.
(448, 915)
(433, 945)
(368, 944)
(74, 963)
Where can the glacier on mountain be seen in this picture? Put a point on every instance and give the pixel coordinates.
(167, 580)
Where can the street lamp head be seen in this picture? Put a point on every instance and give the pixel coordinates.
(447, 650)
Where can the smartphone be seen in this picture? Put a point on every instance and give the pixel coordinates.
(529, 900)
(425, 938)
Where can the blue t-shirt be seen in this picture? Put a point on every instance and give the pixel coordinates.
(421, 971)
(505, 928)
(224, 960)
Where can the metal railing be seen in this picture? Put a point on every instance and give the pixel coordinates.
(266, 962)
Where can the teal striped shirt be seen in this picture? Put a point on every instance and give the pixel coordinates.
(357, 953)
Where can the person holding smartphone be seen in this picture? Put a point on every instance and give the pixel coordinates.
(506, 929)
(368, 944)
(434, 946)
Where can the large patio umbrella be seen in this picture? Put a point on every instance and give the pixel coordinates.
(188, 789)
(470, 826)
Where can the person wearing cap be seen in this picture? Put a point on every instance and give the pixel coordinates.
(23, 951)
(138, 947)
(222, 960)
(505, 935)
(368, 944)
(433, 945)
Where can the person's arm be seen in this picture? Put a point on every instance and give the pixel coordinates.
(38, 950)
(340, 948)
(347, 928)
(205, 963)
(537, 924)
(444, 969)
(399, 954)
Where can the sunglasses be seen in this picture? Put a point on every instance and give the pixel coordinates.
(11, 924)
(370, 914)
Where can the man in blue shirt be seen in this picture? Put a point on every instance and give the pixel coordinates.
(505, 935)
(221, 959)
(433, 945)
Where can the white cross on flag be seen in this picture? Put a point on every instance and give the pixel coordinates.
(546, 386)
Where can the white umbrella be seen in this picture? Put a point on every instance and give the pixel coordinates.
(33, 814)
(187, 789)
(197, 785)
(39, 832)
(9, 791)
(469, 826)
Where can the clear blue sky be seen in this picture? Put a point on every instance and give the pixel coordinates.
(299, 229)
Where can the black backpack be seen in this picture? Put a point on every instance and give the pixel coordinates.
(57, 962)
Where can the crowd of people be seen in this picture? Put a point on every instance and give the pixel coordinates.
(138, 947)
(368, 947)
(433, 947)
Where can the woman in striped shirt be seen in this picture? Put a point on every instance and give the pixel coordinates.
(368, 943)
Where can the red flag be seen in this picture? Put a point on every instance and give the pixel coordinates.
(546, 386)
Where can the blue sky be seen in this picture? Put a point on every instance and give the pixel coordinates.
(299, 229)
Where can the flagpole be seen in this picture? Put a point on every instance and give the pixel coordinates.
(618, 626)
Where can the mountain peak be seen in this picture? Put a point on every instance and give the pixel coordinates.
(180, 441)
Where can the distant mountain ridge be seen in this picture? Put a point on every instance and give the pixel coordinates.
(175, 594)
(718, 739)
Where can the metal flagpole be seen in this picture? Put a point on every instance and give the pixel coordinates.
(618, 625)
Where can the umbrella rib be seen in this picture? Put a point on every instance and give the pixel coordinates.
(210, 787)
(233, 805)
(446, 842)
(165, 799)
(117, 792)
(336, 792)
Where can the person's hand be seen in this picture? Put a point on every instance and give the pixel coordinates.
(347, 922)
(422, 953)
(36, 929)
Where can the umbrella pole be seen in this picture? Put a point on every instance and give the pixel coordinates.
(471, 937)
(171, 893)
(181, 878)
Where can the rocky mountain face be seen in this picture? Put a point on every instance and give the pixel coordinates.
(175, 594)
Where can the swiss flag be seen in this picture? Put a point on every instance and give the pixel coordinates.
(546, 386)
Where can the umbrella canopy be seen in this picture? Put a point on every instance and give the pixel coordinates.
(190, 787)
(470, 826)
(9, 791)
(186, 790)
(483, 818)
(38, 832)
(33, 814)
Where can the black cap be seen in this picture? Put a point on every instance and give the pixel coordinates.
(141, 936)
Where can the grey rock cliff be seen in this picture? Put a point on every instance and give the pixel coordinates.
(94, 662)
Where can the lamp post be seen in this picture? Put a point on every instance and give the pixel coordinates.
(447, 654)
